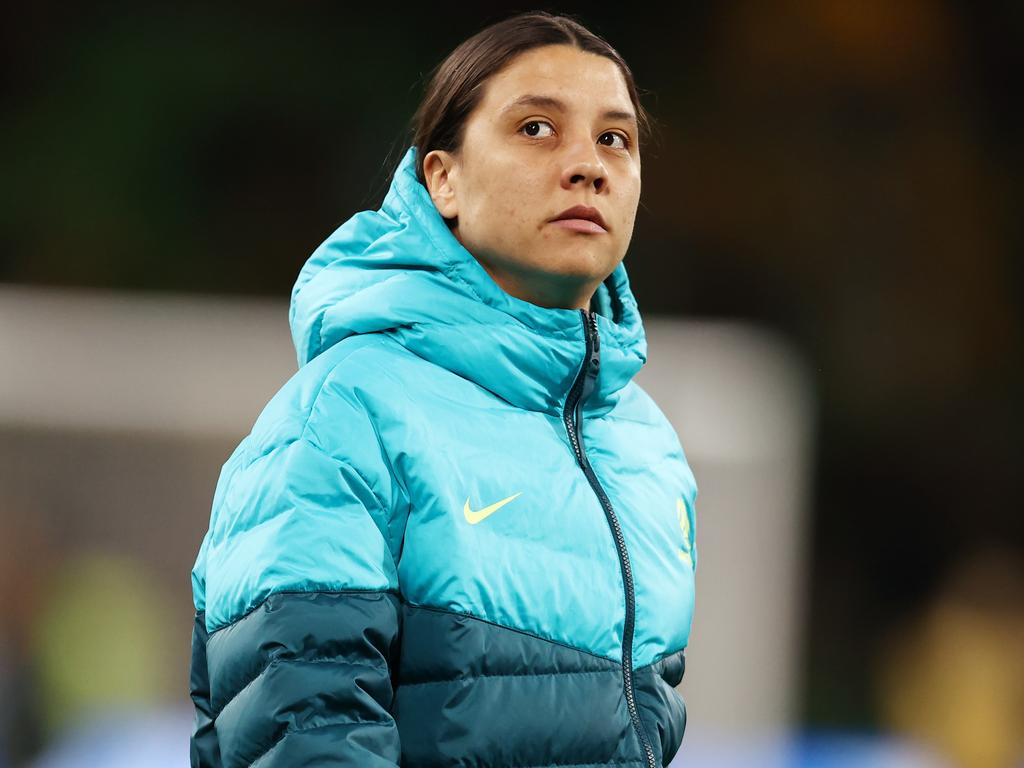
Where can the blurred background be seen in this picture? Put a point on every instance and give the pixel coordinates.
(827, 256)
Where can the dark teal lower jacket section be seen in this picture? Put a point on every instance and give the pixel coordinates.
(662, 709)
(204, 751)
(364, 679)
(303, 680)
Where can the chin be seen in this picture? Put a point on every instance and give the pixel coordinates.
(582, 263)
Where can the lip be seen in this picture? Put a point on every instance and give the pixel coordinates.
(581, 218)
(580, 225)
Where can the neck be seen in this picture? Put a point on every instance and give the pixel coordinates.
(551, 291)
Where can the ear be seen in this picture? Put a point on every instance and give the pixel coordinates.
(440, 172)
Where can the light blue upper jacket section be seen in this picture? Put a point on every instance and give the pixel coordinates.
(355, 474)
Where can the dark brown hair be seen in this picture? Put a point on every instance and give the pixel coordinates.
(456, 84)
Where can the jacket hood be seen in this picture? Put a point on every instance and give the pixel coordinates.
(399, 270)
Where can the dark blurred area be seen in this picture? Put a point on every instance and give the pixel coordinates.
(846, 174)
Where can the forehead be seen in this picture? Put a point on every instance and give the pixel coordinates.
(582, 80)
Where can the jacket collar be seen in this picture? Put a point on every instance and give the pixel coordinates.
(400, 271)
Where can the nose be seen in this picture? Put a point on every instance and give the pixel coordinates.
(585, 169)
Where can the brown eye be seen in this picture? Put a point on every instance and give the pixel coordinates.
(532, 123)
(621, 137)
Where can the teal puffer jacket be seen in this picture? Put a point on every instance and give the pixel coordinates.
(459, 535)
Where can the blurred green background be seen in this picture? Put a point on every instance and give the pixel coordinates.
(846, 174)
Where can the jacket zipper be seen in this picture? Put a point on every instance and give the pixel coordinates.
(581, 389)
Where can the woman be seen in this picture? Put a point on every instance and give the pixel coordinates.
(460, 534)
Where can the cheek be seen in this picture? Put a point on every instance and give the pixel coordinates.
(630, 202)
(505, 212)
(634, 191)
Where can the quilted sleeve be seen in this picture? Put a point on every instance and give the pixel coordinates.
(203, 743)
(294, 650)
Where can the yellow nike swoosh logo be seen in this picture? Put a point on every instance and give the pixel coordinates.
(684, 525)
(684, 522)
(475, 517)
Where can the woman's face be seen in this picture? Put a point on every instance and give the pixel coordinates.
(554, 129)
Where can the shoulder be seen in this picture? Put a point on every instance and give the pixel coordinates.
(640, 421)
(324, 402)
(636, 406)
(322, 410)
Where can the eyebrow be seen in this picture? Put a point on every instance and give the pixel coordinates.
(533, 100)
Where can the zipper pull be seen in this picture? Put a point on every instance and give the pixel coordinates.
(594, 360)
